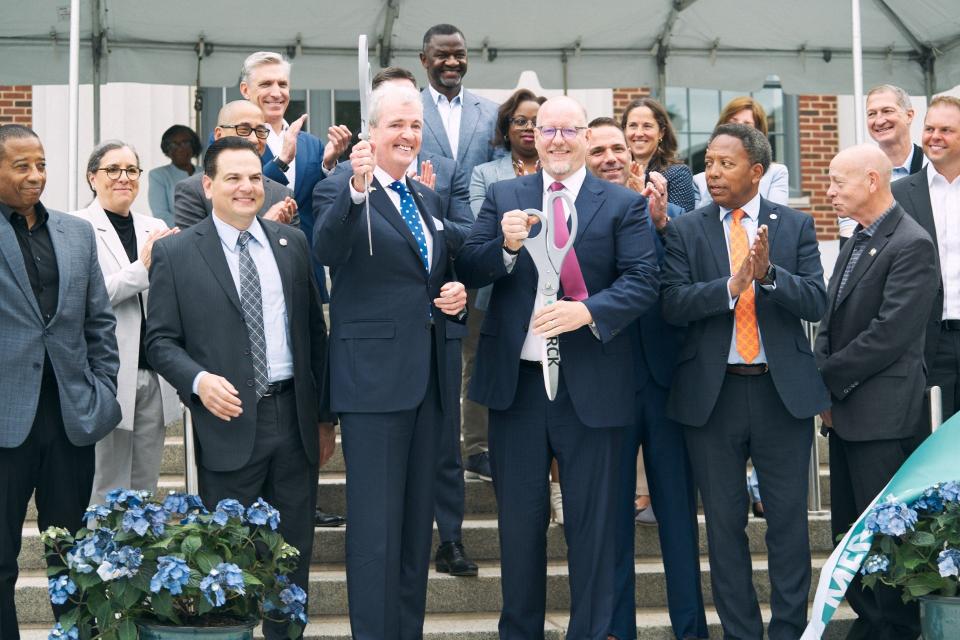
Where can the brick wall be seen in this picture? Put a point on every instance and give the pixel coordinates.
(819, 142)
(16, 105)
(623, 97)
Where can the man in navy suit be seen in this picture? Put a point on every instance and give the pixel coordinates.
(389, 313)
(741, 273)
(665, 454)
(457, 125)
(610, 280)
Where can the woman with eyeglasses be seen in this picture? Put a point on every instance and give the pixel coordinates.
(130, 456)
(653, 145)
(181, 144)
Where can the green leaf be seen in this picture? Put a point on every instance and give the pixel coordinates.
(162, 605)
(206, 561)
(87, 580)
(203, 606)
(141, 579)
(130, 597)
(127, 630)
(249, 579)
(922, 539)
(191, 544)
(69, 619)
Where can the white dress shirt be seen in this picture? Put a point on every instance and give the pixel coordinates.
(750, 223)
(945, 201)
(451, 112)
(275, 144)
(385, 179)
(276, 327)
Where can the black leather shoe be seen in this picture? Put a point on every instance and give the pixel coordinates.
(452, 559)
(324, 519)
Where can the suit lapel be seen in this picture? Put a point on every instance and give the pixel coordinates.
(62, 249)
(469, 117)
(770, 217)
(716, 238)
(868, 257)
(106, 233)
(589, 201)
(431, 118)
(211, 250)
(438, 256)
(10, 249)
(281, 247)
(920, 205)
(381, 202)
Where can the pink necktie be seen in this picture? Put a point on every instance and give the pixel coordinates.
(571, 278)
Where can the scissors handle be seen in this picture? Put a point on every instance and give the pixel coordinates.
(543, 247)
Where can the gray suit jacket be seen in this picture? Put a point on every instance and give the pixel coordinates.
(79, 339)
(477, 124)
(870, 345)
(485, 175)
(190, 205)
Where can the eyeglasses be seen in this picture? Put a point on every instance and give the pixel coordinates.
(133, 173)
(244, 130)
(568, 133)
(522, 123)
(179, 144)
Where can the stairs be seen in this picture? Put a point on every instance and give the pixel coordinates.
(457, 608)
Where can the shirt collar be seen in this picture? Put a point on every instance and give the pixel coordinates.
(867, 232)
(904, 169)
(752, 209)
(933, 174)
(571, 184)
(38, 209)
(436, 96)
(229, 234)
(385, 179)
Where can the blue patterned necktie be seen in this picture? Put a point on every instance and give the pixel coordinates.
(408, 210)
(252, 304)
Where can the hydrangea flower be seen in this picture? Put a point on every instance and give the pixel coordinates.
(59, 633)
(294, 603)
(892, 518)
(930, 501)
(949, 563)
(226, 576)
(126, 498)
(122, 563)
(876, 563)
(60, 589)
(226, 509)
(152, 516)
(183, 503)
(95, 512)
(90, 551)
(51, 534)
(950, 491)
(261, 513)
(172, 574)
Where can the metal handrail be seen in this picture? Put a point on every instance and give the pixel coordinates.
(189, 454)
(814, 503)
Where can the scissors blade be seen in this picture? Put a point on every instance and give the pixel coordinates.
(365, 90)
(551, 366)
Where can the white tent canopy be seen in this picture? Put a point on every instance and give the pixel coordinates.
(618, 43)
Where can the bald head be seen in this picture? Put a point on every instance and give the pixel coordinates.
(563, 153)
(243, 114)
(565, 105)
(860, 183)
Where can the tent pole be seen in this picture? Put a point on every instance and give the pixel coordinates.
(73, 113)
(97, 50)
(858, 113)
(661, 77)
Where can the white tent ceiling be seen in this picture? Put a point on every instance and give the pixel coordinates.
(726, 44)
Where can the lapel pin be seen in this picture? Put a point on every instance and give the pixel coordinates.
(773, 216)
(873, 251)
(283, 242)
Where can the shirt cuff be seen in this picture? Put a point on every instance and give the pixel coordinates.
(326, 172)
(196, 383)
(769, 287)
(356, 196)
(509, 259)
(594, 330)
(731, 297)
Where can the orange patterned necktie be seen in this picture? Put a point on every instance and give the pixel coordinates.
(745, 313)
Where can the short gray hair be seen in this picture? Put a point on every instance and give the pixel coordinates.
(903, 98)
(403, 94)
(754, 142)
(261, 58)
(102, 149)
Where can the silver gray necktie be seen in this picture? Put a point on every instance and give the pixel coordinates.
(252, 303)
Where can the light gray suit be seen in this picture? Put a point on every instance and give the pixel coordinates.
(477, 124)
(191, 205)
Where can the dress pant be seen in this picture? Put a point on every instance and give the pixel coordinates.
(449, 492)
(750, 421)
(391, 475)
(280, 473)
(131, 459)
(858, 473)
(474, 415)
(945, 372)
(60, 474)
(523, 440)
(674, 501)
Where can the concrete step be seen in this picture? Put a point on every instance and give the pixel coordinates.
(445, 594)
(652, 623)
(480, 538)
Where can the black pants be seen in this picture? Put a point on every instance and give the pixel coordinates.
(858, 472)
(945, 372)
(280, 473)
(62, 476)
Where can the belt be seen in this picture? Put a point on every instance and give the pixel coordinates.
(531, 364)
(747, 369)
(950, 325)
(276, 388)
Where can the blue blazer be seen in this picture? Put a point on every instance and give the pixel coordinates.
(696, 269)
(615, 248)
(478, 122)
(309, 171)
(382, 318)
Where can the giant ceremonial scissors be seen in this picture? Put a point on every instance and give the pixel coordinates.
(548, 258)
(365, 91)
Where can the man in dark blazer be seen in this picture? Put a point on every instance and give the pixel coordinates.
(191, 205)
(741, 274)
(58, 384)
(235, 325)
(582, 427)
(926, 197)
(665, 454)
(870, 353)
(389, 315)
(889, 115)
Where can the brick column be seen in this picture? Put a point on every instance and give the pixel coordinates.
(16, 105)
(819, 143)
(623, 97)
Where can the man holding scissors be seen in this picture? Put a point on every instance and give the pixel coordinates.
(607, 279)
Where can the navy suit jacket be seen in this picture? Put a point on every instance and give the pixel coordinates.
(478, 122)
(615, 249)
(694, 289)
(382, 318)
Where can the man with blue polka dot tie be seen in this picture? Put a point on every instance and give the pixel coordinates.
(390, 365)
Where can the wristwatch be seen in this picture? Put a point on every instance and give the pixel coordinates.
(511, 251)
(770, 277)
(283, 166)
